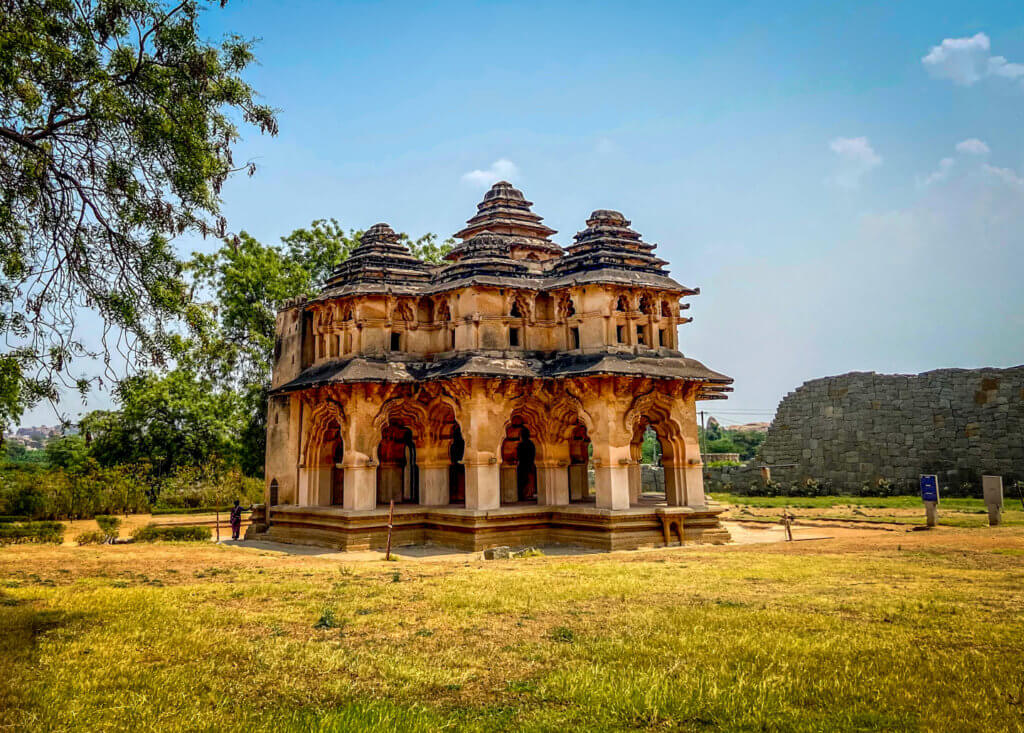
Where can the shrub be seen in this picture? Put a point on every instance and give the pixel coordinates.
(151, 533)
(31, 532)
(94, 537)
(8, 518)
(327, 620)
(110, 526)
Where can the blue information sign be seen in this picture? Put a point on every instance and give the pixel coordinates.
(930, 488)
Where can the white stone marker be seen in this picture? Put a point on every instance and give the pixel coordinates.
(992, 486)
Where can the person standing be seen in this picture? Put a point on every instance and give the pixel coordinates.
(236, 520)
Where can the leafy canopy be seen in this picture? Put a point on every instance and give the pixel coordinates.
(117, 123)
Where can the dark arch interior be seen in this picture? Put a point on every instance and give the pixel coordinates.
(397, 472)
(457, 471)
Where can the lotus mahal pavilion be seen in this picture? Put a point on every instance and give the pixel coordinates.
(498, 399)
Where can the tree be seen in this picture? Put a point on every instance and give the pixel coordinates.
(245, 282)
(117, 123)
(171, 420)
(67, 451)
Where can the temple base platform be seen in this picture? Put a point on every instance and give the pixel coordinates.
(647, 525)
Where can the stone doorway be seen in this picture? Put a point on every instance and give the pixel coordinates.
(457, 471)
(580, 489)
(338, 475)
(397, 472)
(518, 465)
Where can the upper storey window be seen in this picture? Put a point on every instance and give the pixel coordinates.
(622, 304)
(514, 311)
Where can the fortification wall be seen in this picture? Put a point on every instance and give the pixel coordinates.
(861, 427)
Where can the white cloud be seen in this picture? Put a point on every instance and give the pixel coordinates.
(502, 169)
(1006, 175)
(856, 159)
(941, 174)
(967, 162)
(966, 61)
(972, 146)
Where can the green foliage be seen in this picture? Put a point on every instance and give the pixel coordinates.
(151, 533)
(173, 420)
(69, 451)
(722, 440)
(31, 532)
(327, 620)
(109, 525)
(93, 537)
(117, 123)
(722, 445)
(17, 453)
(650, 448)
(210, 484)
(84, 491)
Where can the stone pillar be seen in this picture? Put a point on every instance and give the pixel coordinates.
(675, 483)
(482, 417)
(579, 483)
(481, 480)
(693, 475)
(612, 485)
(360, 468)
(552, 483)
(635, 482)
(433, 483)
(612, 453)
(360, 484)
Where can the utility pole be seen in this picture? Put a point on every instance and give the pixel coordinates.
(704, 435)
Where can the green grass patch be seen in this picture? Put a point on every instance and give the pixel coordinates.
(794, 637)
(20, 533)
(152, 533)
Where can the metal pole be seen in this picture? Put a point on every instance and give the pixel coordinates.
(391, 516)
(704, 434)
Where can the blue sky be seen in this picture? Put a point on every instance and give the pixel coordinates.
(844, 183)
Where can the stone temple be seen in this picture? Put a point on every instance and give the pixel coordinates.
(500, 398)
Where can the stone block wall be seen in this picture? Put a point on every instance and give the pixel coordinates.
(861, 427)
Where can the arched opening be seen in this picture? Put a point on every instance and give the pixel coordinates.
(518, 465)
(397, 472)
(580, 451)
(457, 471)
(647, 472)
(543, 306)
(338, 475)
(323, 476)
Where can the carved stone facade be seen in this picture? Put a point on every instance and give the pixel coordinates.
(476, 394)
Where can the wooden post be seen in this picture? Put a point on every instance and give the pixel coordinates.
(391, 517)
(787, 523)
(218, 523)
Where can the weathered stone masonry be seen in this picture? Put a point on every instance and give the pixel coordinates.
(857, 428)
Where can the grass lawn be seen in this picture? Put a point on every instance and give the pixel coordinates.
(872, 630)
(891, 509)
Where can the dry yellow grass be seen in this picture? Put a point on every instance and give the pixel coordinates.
(895, 631)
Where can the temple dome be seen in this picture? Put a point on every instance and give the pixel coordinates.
(504, 210)
(380, 263)
(608, 250)
(485, 257)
